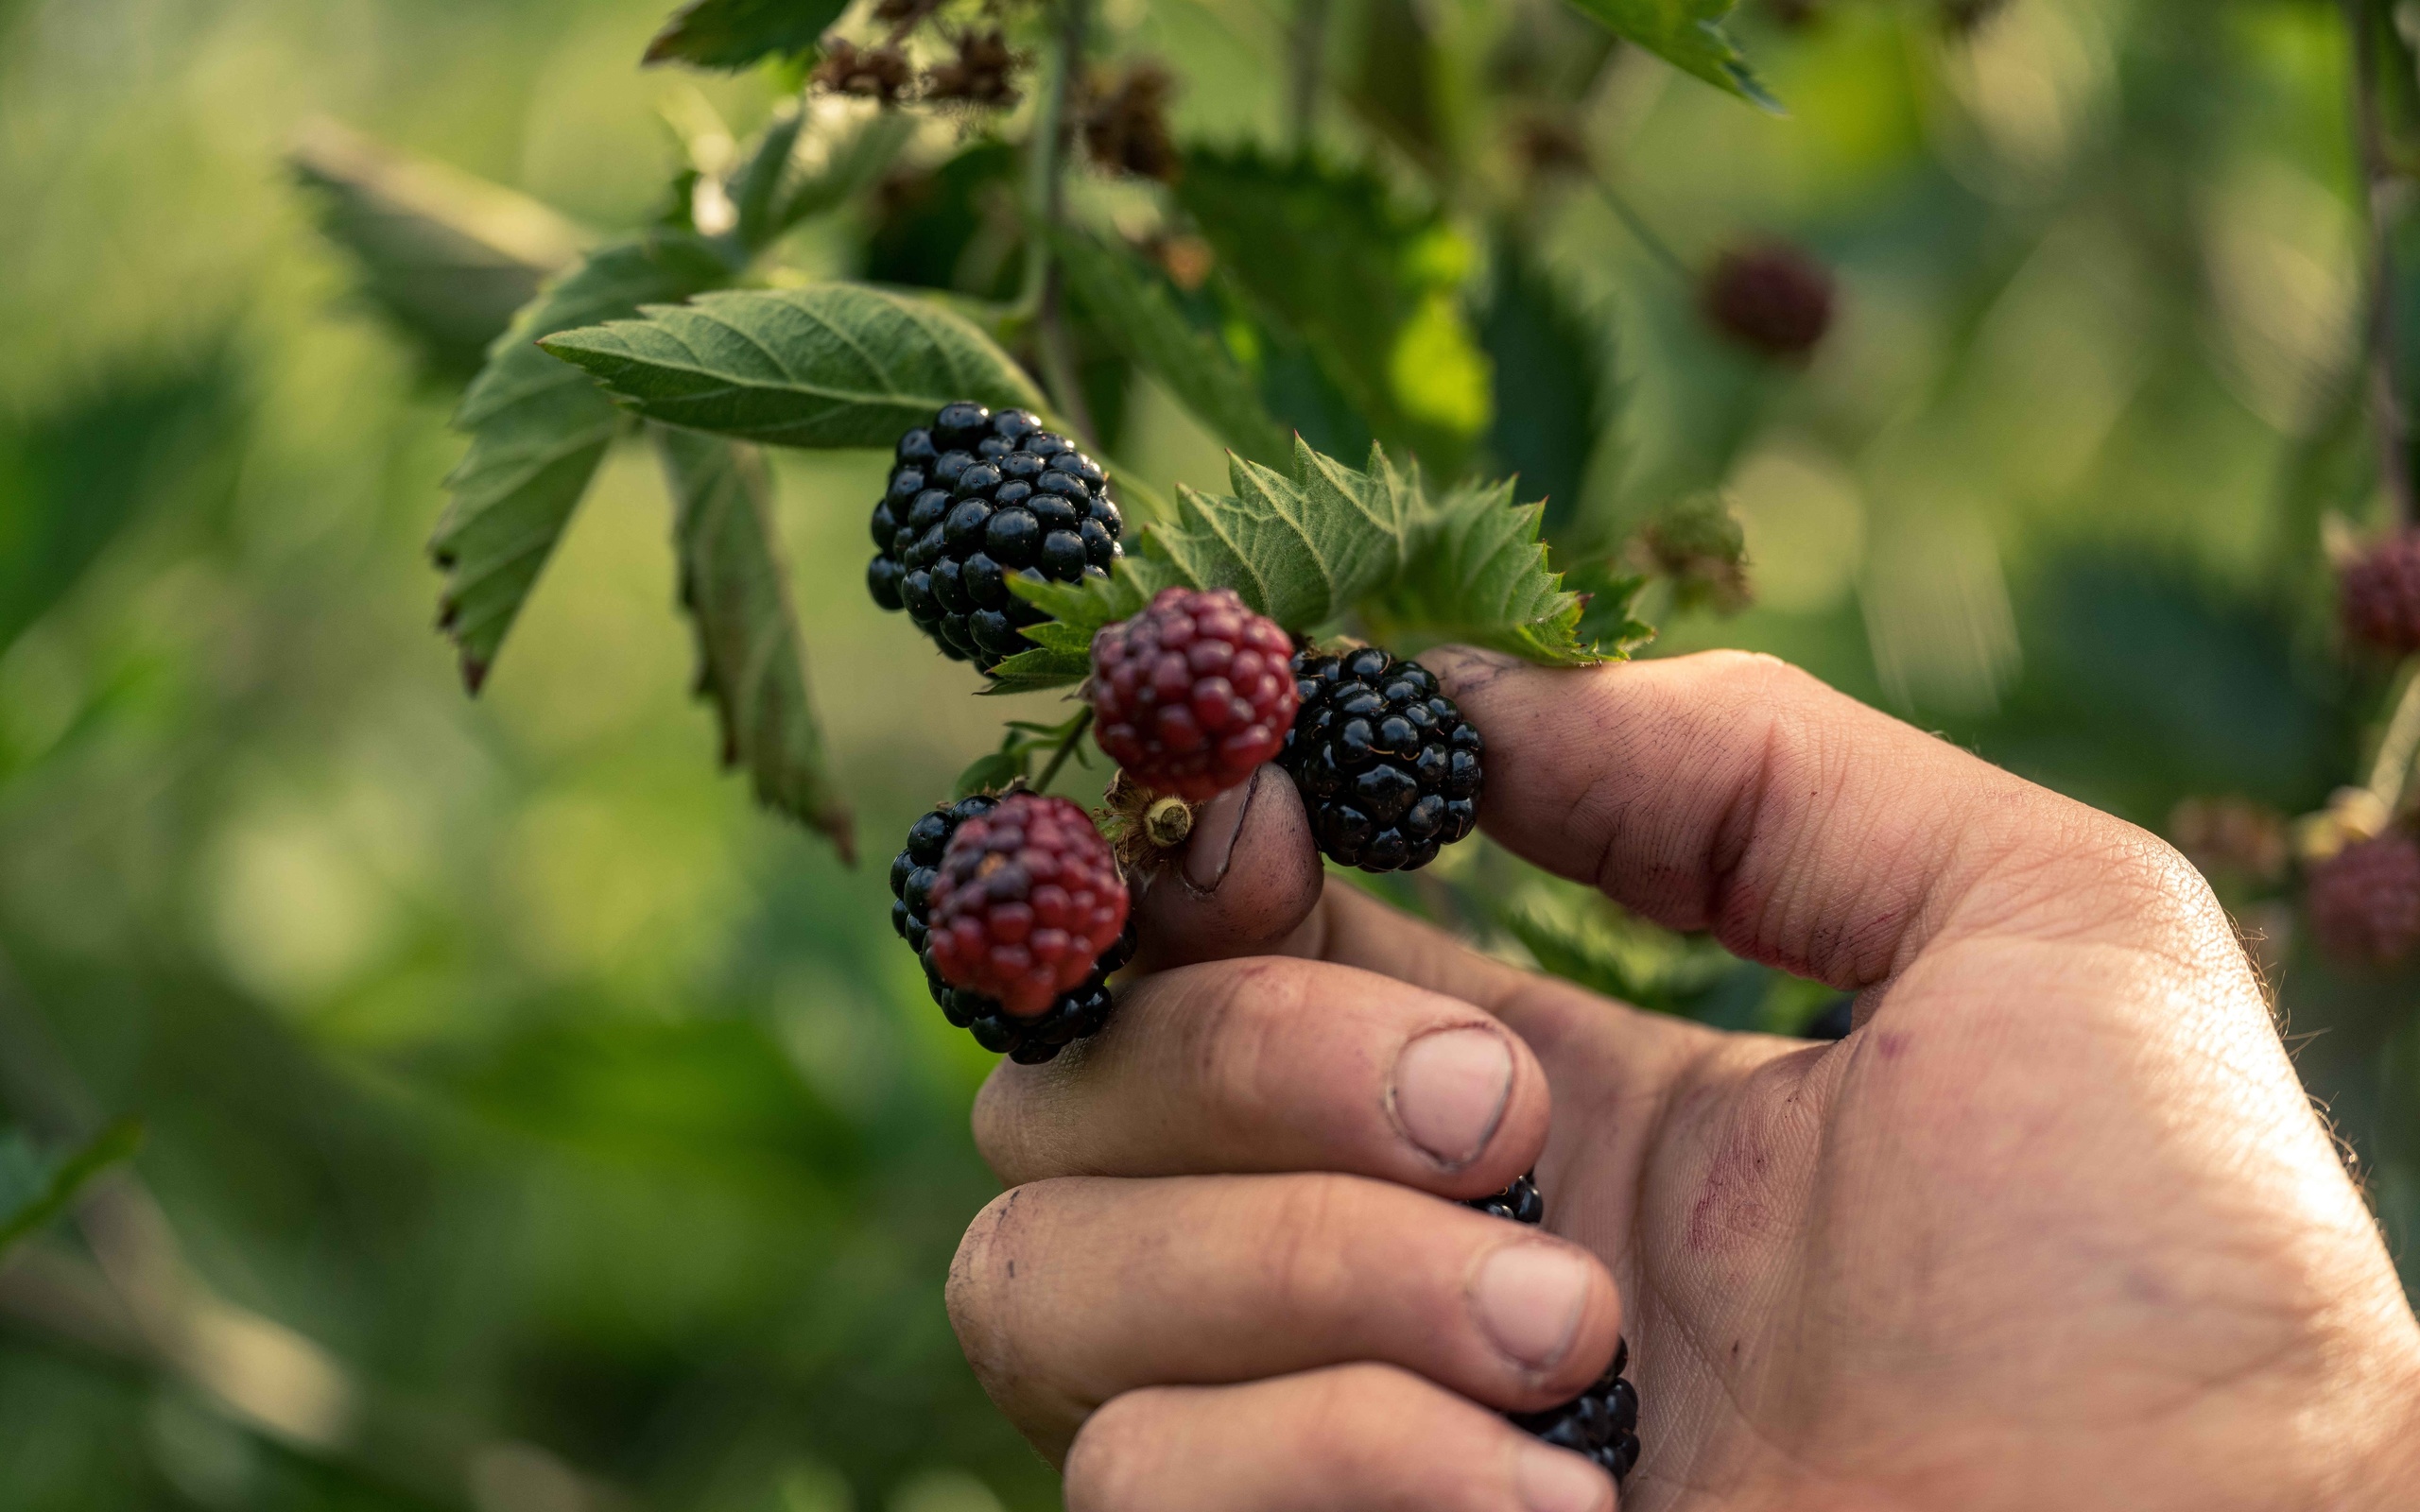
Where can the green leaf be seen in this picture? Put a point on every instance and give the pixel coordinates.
(1688, 35)
(731, 34)
(1549, 359)
(829, 364)
(1607, 620)
(1478, 576)
(538, 431)
(1130, 304)
(751, 661)
(34, 1191)
(1302, 550)
(1328, 260)
(445, 257)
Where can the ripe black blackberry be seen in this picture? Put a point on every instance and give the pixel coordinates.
(1603, 1422)
(1385, 762)
(1521, 1202)
(973, 498)
(1028, 1042)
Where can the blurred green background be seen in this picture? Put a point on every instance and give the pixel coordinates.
(534, 1125)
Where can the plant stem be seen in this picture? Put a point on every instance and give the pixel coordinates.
(1309, 64)
(1047, 212)
(1066, 748)
(2389, 416)
(1647, 235)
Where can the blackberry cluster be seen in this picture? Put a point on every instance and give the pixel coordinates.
(1521, 1202)
(2365, 900)
(1074, 1015)
(2380, 596)
(1386, 763)
(1603, 1422)
(973, 498)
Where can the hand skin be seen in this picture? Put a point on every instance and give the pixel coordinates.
(2054, 1228)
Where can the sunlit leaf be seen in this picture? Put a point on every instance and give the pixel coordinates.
(1687, 34)
(732, 34)
(538, 431)
(1478, 574)
(829, 364)
(751, 662)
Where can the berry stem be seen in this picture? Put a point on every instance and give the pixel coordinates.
(1309, 64)
(1646, 234)
(1066, 748)
(2391, 419)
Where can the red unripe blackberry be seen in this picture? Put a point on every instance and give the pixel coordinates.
(1773, 299)
(1193, 692)
(2365, 900)
(2379, 592)
(1027, 899)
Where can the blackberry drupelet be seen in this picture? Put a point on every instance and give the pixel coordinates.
(1520, 1202)
(1603, 1422)
(1387, 767)
(973, 498)
(1073, 1015)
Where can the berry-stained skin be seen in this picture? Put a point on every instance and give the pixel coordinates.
(2055, 1225)
(974, 499)
(1193, 692)
(1028, 898)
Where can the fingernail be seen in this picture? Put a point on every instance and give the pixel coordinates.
(1529, 1299)
(1214, 828)
(1449, 1092)
(1554, 1480)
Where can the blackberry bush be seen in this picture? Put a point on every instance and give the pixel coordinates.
(1073, 1014)
(973, 498)
(1387, 764)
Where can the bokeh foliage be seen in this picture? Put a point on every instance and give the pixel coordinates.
(535, 1124)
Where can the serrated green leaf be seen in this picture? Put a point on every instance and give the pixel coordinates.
(1477, 575)
(1688, 35)
(729, 34)
(1131, 306)
(39, 1190)
(829, 364)
(446, 257)
(1606, 620)
(1302, 549)
(751, 661)
(538, 431)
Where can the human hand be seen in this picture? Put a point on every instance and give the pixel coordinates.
(2054, 1226)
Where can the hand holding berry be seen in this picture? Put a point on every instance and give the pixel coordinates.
(2055, 1225)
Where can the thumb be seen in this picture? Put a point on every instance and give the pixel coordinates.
(1245, 883)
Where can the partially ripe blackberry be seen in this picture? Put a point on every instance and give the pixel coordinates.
(1603, 1422)
(1387, 767)
(1193, 692)
(1072, 1015)
(973, 498)
(2380, 596)
(2365, 900)
(1026, 898)
(1773, 299)
(1521, 1202)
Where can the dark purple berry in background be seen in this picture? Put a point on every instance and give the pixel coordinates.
(1772, 299)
